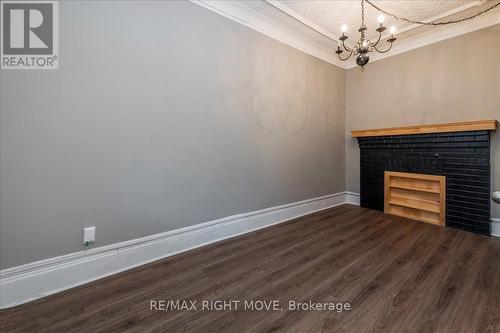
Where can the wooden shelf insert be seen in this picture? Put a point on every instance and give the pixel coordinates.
(416, 196)
(479, 125)
(426, 205)
(430, 190)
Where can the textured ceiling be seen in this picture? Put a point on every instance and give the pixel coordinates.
(313, 26)
(330, 15)
(320, 21)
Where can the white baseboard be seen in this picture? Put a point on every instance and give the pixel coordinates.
(495, 226)
(41, 278)
(352, 198)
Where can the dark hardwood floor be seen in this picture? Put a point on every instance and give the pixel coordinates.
(398, 275)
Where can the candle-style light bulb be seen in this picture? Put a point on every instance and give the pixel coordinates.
(393, 30)
(381, 19)
(343, 28)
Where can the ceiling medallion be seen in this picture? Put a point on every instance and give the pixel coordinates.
(365, 46)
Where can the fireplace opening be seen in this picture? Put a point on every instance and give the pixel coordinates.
(457, 152)
(420, 197)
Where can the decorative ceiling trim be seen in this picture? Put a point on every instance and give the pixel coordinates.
(437, 35)
(443, 15)
(233, 10)
(237, 12)
(305, 21)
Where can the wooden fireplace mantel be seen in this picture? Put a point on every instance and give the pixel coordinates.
(479, 125)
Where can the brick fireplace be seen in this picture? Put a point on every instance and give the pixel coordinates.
(459, 151)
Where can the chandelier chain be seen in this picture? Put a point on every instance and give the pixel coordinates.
(362, 13)
(400, 18)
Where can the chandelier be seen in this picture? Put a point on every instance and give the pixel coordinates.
(365, 46)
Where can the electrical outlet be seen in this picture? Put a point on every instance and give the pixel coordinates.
(88, 235)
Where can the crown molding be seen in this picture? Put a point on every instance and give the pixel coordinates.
(236, 11)
(436, 35)
(305, 21)
(435, 18)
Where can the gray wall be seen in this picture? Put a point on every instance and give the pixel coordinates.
(162, 115)
(453, 80)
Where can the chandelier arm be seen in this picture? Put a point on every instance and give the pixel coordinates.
(378, 40)
(344, 59)
(346, 48)
(385, 51)
(400, 18)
